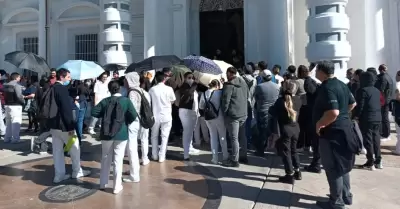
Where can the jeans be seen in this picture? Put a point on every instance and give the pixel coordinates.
(339, 185)
(237, 133)
(248, 125)
(263, 135)
(385, 128)
(372, 141)
(80, 118)
(287, 147)
(218, 136)
(32, 121)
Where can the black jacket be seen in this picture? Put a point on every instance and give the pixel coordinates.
(310, 86)
(65, 119)
(368, 109)
(385, 85)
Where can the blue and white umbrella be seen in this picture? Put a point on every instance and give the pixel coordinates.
(202, 64)
(81, 70)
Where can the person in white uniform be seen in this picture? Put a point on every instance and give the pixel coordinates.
(13, 106)
(113, 146)
(100, 92)
(162, 97)
(62, 129)
(217, 125)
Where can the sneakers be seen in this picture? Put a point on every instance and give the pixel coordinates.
(378, 165)
(369, 166)
(243, 160)
(194, 151)
(313, 169)
(214, 161)
(231, 163)
(145, 161)
(297, 175)
(287, 179)
(91, 131)
(131, 180)
(161, 160)
(385, 139)
(81, 174)
(58, 179)
(118, 190)
(7, 140)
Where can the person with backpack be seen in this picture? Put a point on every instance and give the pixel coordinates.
(14, 100)
(251, 84)
(135, 93)
(56, 109)
(117, 113)
(210, 103)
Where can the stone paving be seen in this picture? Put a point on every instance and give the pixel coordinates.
(25, 182)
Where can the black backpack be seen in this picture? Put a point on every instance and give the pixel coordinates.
(249, 82)
(113, 118)
(48, 108)
(210, 112)
(146, 116)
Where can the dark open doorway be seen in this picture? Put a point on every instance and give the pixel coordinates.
(222, 30)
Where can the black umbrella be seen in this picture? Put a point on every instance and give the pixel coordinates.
(27, 60)
(113, 67)
(155, 62)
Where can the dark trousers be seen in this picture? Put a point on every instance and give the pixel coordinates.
(176, 122)
(263, 134)
(372, 141)
(305, 137)
(80, 118)
(339, 185)
(385, 128)
(316, 161)
(32, 121)
(287, 147)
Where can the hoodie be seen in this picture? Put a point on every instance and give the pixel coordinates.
(234, 98)
(368, 109)
(133, 80)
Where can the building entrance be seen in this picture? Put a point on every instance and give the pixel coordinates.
(222, 31)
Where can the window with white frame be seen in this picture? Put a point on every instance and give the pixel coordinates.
(30, 44)
(86, 47)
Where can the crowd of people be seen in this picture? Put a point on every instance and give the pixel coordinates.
(254, 108)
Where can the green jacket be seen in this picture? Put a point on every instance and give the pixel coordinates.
(130, 116)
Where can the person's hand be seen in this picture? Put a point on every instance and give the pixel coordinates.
(71, 133)
(318, 128)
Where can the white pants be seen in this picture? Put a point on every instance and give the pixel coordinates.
(165, 128)
(398, 139)
(59, 139)
(189, 120)
(134, 164)
(13, 122)
(144, 141)
(2, 125)
(201, 129)
(218, 136)
(112, 153)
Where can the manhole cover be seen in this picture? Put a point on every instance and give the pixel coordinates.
(67, 193)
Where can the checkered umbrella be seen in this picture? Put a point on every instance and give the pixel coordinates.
(202, 65)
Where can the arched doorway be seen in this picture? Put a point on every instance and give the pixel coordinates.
(222, 27)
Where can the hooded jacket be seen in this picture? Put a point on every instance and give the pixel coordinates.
(234, 98)
(368, 109)
(133, 80)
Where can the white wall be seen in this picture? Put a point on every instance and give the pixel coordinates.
(300, 35)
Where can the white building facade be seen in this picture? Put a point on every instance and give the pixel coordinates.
(352, 33)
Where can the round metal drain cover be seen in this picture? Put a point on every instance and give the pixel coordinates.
(67, 193)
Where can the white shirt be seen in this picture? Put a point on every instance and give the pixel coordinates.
(101, 91)
(215, 99)
(162, 97)
(279, 79)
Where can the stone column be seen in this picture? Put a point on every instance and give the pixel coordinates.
(181, 27)
(150, 28)
(42, 29)
(115, 36)
(327, 27)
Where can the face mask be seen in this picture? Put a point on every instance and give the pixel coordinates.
(190, 82)
(66, 83)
